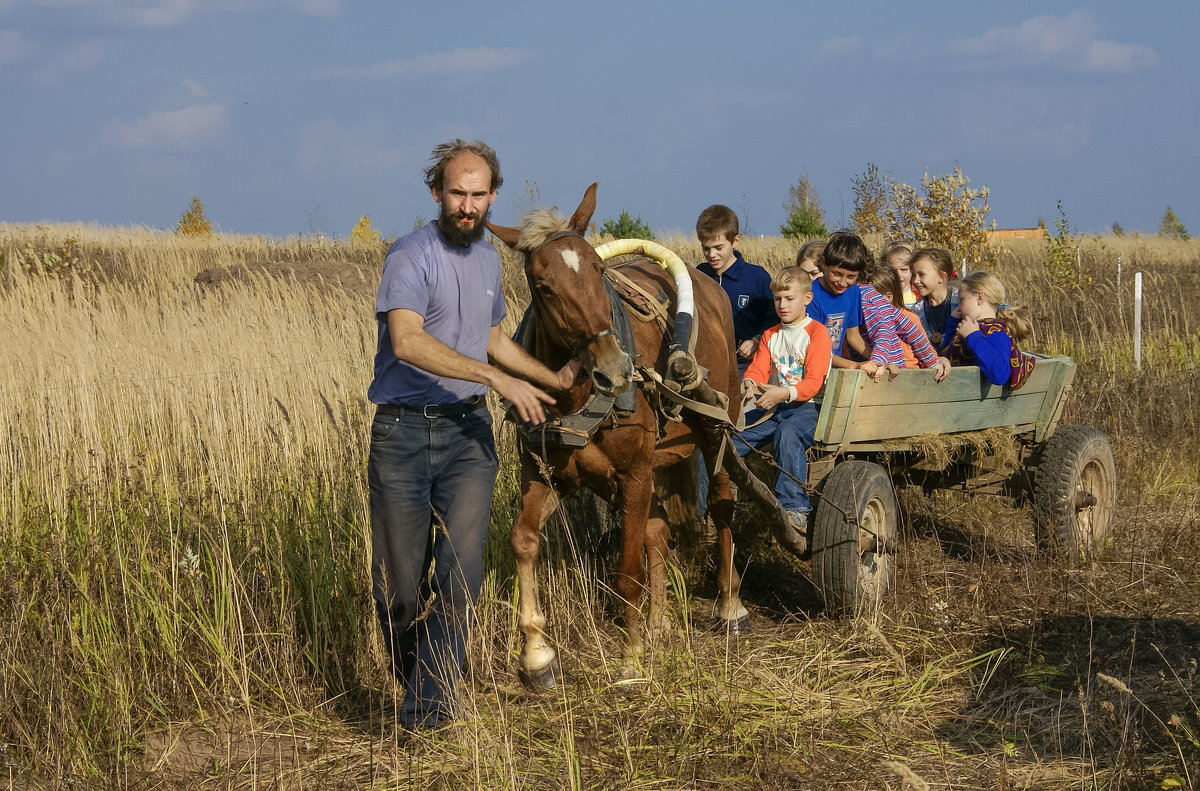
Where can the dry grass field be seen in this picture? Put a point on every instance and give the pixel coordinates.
(185, 592)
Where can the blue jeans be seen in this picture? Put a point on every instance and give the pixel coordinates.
(791, 431)
(431, 482)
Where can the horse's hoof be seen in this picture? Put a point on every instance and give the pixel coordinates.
(545, 678)
(739, 627)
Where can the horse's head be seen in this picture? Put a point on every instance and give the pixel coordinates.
(566, 285)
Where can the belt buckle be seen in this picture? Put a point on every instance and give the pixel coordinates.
(425, 411)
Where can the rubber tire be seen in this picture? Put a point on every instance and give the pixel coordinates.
(1075, 463)
(848, 567)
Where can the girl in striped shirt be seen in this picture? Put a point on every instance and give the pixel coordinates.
(897, 340)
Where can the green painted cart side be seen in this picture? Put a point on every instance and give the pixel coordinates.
(865, 427)
(860, 414)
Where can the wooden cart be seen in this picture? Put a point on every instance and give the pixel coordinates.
(870, 434)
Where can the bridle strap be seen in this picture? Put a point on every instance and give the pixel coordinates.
(589, 341)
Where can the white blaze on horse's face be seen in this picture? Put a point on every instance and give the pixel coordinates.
(571, 259)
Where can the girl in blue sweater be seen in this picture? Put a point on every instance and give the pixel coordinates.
(984, 330)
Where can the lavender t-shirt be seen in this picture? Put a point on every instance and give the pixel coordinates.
(457, 291)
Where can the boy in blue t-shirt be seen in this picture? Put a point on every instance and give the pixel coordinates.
(837, 302)
(747, 285)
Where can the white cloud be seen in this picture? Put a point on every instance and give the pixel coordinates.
(138, 13)
(68, 59)
(196, 89)
(841, 47)
(325, 143)
(160, 13)
(169, 13)
(1065, 42)
(326, 8)
(462, 63)
(13, 47)
(47, 65)
(1026, 123)
(171, 129)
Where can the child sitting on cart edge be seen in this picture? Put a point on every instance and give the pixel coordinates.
(788, 369)
(984, 330)
(897, 340)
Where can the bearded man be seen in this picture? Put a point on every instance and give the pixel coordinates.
(432, 464)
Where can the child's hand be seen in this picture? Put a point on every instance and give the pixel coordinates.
(748, 385)
(941, 368)
(745, 349)
(772, 396)
(872, 369)
(893, 371)
(966, 327)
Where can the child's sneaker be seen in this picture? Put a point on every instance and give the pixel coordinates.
(799, 520)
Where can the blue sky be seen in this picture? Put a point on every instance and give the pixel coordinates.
(285, 116)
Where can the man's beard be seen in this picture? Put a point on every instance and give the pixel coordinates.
(454, 232)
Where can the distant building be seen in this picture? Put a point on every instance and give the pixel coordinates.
(1003, 234)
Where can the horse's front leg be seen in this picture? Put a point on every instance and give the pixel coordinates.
(637, 489)
(539, 664)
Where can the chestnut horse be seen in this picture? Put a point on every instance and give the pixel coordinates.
(573, 319)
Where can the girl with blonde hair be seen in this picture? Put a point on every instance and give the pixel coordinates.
(985, 330)
(899, 254)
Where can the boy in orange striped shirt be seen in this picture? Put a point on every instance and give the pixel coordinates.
(787, 370)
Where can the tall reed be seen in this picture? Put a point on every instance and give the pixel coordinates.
(183, 531)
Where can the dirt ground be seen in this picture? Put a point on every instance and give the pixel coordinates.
(357, 280)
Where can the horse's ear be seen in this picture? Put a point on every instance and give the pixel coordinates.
(583, 215)
(505, 234)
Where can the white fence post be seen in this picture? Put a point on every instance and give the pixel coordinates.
(1137, 320)
(1120, 296)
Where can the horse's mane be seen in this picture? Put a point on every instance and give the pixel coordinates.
(537, 226)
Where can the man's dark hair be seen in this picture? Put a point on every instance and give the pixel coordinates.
(442, 154)
(846, 251)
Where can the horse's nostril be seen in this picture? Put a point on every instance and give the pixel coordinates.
(601, 380)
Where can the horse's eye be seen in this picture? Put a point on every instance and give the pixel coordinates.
(544, 289)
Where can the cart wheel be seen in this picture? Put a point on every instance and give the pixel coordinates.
(1074, 492)
(854, 536)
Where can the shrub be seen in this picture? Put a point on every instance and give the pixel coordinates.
(364, 231)
(51, 261)
(1171, 226)
(872, 198)
(803, 206)
(1063, 265)
(193, 222)
(627, 227)
(945, 213)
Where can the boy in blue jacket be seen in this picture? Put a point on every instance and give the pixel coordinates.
(747, 285)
